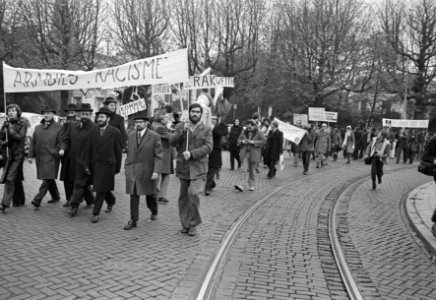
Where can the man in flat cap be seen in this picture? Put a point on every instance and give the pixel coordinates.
(143, 162)
(107, 150)
(80, 141)
(48, 145)
(66, 174)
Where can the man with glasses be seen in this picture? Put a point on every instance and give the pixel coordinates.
(193, 141)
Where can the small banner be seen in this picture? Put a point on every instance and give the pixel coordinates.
(161, 89)
(291, 132)
(331, 116)
(317, 114)
(208, 82)
(171, 67)
(301, 119)
(132, 107)
(405, 123)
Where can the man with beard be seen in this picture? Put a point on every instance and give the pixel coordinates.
(81, 157)
(67, 175)
(143, 162)
(107, 150)
(193, 141)
(48, 144)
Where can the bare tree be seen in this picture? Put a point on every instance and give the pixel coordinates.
(141, 27)
(10, 19)
(64, 31)
(412, 35)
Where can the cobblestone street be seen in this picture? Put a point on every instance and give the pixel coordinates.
(277, 254)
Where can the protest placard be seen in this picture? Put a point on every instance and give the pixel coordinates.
(405, 123)
(291, 132)
(331, 116)
(208, 82)
(132, 107)
(171, 67)
(161, 89)
(317, 114)
(301, 119)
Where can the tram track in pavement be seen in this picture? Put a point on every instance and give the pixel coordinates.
(333, 272)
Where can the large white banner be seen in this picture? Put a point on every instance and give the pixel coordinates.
(405, 123)
(170, 67)
(291, 132)
(208, 82)
(317, 114)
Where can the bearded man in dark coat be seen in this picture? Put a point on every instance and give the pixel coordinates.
(67, 174)
(48, 145)
(116, 120)
(107, 150)
(81, 157)
(273, 149)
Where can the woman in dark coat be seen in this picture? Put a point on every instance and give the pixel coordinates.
(234, 148)
(12, 140)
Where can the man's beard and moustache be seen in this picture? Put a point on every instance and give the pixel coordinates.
(85, 121)
(102, 123)
(194, 119)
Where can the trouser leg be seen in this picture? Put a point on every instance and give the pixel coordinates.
(19, 198)
(164, 184)
(8, 193)
(210, 181)
(87, 194)
(251, 176)
(232, 160)
(53, 189)
(78, 194)
(68, 187)
(99, 199)
(43, 188)
(152, 203)
(109, 198)
(134, 208)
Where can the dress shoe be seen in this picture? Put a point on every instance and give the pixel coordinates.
(94, 219)
(207, 193)
(73, 210)
(3, 208)
(239, 188)
(35, 204)
(153, 217)
(109, 208)
(130, 225)
(192, 231)
(53, 201)
(184, 230)
(305, 173)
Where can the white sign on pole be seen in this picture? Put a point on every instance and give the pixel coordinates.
(132, 107)
(291, 132)
(301, 119)
(405, 123)
(170, 67)
(161, 89)
(208, 82)
(331, 116)
(317, 114)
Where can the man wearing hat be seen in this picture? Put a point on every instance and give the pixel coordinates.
(143, 162)
(80, 141)
(107, 150)
(116, 120)
(48, 145)
(67, 175)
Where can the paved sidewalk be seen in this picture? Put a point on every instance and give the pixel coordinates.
(420, 205)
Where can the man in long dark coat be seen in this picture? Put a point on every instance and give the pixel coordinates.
(116, 120)
(81, 157)
(67, 174)
(107, 150)
(48, 145)
(273, 149)
(215, 157)
(143, 162)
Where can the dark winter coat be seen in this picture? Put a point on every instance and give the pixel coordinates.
(107, 153)
(14, 143)
(215, 158)
(167, 149)
(117, 121)
(307, 143)
(81, 152)
(234, 134)
(273, 147)
(141, 162)
(45, 146)
(67, 173)
(200, 144)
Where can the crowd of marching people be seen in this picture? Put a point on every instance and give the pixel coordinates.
(88, 153)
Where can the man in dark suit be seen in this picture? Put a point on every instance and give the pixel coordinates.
(107, 150)
(143, 162)
(116, 120)
(80, 141)
(273, 149)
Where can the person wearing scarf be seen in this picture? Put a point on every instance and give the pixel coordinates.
(378, 150)
(348, 143)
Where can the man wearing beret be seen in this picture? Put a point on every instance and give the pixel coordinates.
(48, 145)
(107, 150)
(143, 162)
(194, 142)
